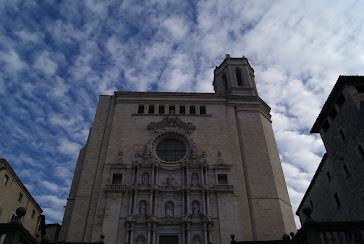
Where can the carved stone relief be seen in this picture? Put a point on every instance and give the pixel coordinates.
(140, 239)
(194, 179)
(145, 178)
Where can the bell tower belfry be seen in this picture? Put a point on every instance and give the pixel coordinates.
(235, 76)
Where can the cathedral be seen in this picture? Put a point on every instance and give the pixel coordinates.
(181, 168)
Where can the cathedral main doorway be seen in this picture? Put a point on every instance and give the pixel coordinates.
(168, 240)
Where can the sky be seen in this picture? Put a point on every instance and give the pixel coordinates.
(57, 57)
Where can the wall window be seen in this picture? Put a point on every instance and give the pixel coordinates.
(161, 109)
(311, 203)
(13, 216)
(361, 151)
(20, 197)
(346, 170)
(192, 109)
(337, 200)
(202, 110)
(342, 135)
(325, 125)
(6, 179)
(172, 109)
(151, 109)
(340, 101)
(333, 113)
(117, 179)
(238, 77)
(182, 109)
(222, 179)
(33, 214)
(141, 109)
(328, 176)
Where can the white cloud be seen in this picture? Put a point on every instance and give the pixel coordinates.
(45, 64)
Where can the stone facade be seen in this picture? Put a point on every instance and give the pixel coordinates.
(336, 192)
(222, 176)
(13, 195)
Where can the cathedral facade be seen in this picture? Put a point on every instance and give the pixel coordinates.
(163, 167)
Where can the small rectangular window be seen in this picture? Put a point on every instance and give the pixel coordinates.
(141, 109)
(6, 179)
(311, 203)
(13, 216)
(151, 109)
(333, 113)
(172, 109)
(337, 200)
(222, 179)
(325, 125)
(192, 110)
(20, 197)
(346, 170)
(202, 110)
(161, 109)
(328, 176)
(342, 134)
(33, 214)
(340, 101)
(361, 151)
(117, 179)
(182, 109)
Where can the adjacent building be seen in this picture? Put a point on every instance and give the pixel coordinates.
(336, 192)
(171, 167)
(13, 194)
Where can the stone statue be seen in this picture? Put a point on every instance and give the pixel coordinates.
(170, 181)
(219, 158)
(169, 209)
(140, 240)
(195, 208)
(196, 241)
(194, 179)
(145, 178)
(142, 208)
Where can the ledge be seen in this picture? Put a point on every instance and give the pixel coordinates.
(115, 188)
(223, 188)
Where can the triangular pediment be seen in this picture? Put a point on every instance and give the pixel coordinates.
(171, 121)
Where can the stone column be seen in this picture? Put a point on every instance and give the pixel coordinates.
(203, 202)
(188, 175)
(150, 201)
(137, 175)
(183, 202)
(206, 178)
(132, 233)
(208, 202)
(188, 201)
(149, 230)
(135, 201)
(157, 176)
(130, 201)
(205, 233)
(155, 203)
(152, 180)
(183, 234)
(127, 234)
(154, 230)
(209, 233)
(188, 233)
(134, 174)
(202, 175)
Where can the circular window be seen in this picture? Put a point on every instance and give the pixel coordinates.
(171, 150)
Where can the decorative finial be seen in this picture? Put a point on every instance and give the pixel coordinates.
(228, 55)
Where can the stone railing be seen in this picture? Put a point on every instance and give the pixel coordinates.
(115, 188)
(223, 188)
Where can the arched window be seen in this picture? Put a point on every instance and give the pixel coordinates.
(238, 77)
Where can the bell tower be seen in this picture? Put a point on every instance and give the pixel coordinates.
(235, 76)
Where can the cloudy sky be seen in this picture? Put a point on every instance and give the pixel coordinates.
(57, 57)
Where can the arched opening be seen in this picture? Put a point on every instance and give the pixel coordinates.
(239, 78)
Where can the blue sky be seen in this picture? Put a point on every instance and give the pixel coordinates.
(57, 57)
